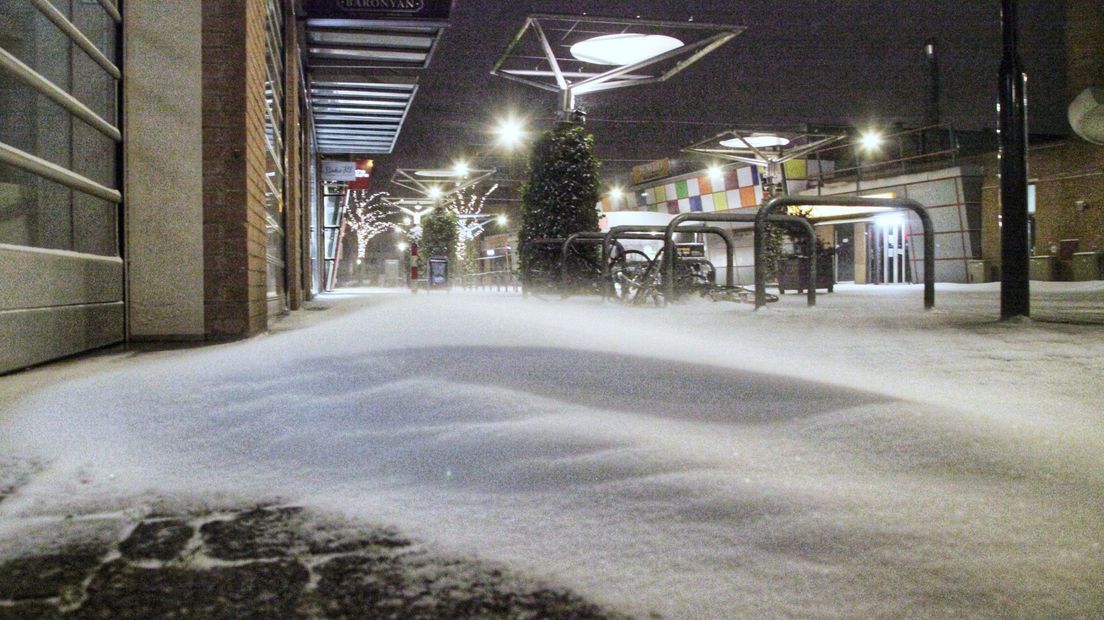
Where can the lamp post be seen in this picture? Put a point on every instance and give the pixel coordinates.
(1015, 283)
(415, 218)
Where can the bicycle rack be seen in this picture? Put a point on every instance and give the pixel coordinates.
(650, 232)
(560, 241)
(673, 225)
(765, 214)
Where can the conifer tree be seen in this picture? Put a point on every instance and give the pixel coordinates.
(561, 195)
(439, 233)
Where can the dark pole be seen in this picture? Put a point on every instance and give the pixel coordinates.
(931, 110)
(1015, 287)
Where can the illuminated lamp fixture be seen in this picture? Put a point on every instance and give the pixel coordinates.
(510, 132)
(870, 140)
(616, 193)
(434, 192)
(438, 174)
(460, 169)
(591, 54)
(623, 49)
(758, 141)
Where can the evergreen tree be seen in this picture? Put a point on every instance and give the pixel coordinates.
(561, 195)
(439, 232)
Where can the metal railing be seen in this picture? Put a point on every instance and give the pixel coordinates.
(899, 152)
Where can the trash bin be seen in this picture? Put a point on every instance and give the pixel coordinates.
(977, 271)
(1087, 266)
(1044, 268)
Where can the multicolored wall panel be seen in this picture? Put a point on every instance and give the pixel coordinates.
(737, 187)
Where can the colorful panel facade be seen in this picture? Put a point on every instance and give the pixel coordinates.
(737, 187)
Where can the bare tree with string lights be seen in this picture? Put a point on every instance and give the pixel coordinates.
(468, 205)
(366, 216)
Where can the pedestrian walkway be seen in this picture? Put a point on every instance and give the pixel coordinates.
(483, 455)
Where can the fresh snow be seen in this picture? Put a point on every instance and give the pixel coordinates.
(860, 459)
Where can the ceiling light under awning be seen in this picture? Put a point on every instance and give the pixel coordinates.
(623, 49)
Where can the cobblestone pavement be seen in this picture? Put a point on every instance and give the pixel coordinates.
(261, 562)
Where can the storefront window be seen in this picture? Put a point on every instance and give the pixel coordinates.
(75, 208)
(276, 160)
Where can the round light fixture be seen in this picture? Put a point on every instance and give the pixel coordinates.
(438, 173)
(623, 49)
(756, 140)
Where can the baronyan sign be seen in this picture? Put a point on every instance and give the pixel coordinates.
(376, 9)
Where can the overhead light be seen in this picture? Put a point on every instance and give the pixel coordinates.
(756, 140)
(715, 172)
(435, 192)
(870, 140)
(616, 193)
(501, 219)
(460, 169)
(623, 49)
(437, 173)
(510, 132)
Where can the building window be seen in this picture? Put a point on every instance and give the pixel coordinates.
(59, 123)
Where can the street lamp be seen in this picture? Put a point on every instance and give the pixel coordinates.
(510, 132)
(604, 53)
(871, 140)
(765, 147)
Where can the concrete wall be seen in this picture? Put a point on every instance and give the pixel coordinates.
(164, 180)
(952, 197)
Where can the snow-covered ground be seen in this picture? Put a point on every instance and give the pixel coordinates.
(860, 459)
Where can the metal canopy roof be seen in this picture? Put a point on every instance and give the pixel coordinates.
(540, 54)
(742, 147)
(445, 181)
(359, 117)
(362, 76)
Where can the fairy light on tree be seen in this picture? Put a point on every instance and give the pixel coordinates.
(367, 217)
(467, 205)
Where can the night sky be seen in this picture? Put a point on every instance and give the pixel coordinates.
(844, 62)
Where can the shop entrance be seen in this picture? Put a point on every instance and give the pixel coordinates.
(845, 252)
(889, 252)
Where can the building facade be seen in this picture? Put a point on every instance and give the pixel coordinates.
(157, 179)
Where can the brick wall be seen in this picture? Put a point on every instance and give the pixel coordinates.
(1063, 173)
(293, 193)
(233, 168)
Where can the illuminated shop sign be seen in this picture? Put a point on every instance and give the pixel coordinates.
(651, 170)
(376, 9)
(363, 172)
(338, 170)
